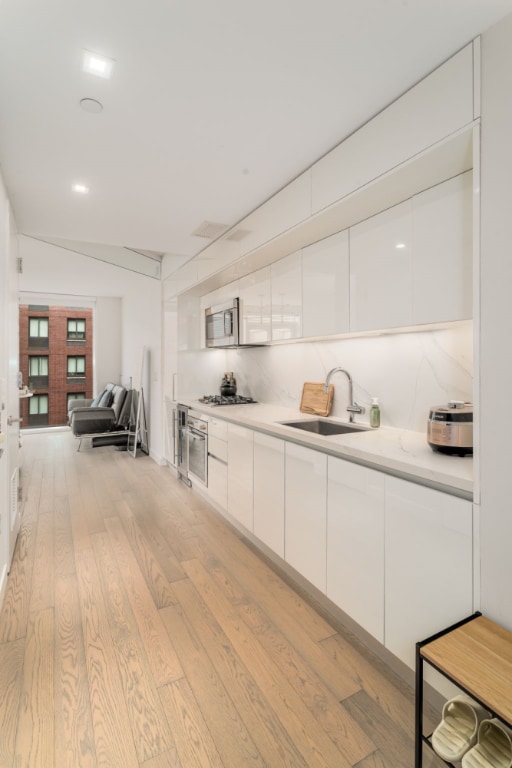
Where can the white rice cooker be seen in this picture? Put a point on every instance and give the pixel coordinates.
(450, 428)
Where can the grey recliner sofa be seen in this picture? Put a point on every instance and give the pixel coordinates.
(106, 418)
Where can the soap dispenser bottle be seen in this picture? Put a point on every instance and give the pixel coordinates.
(375, 413)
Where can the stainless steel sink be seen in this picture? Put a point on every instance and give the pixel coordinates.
(323, 427)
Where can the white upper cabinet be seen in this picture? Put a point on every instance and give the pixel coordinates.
(442, 246)
(412, 264)
(381, 265)
(286, 280)
(434, 108)
(255, 307)
(325, 286)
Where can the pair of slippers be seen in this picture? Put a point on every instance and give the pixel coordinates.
(467, 734)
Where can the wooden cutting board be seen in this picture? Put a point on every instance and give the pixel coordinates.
(315, 399)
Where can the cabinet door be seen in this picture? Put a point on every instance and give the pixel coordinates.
(240, 474)
(218, 481)
(255, 307)
(381, 270)
(442, 246)
(269, 491)
(429, 560)
(325, 292)
(355, 543)
(306, 512)
(286, 281)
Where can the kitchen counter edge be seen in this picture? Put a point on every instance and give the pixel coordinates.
(399, 452)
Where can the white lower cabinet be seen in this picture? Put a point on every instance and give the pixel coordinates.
(305, 537)
(218, 462)
(429, 562)
(269, 491)
(355, 543)
(240, 474)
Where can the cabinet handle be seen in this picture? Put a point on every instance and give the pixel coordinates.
(11, 421)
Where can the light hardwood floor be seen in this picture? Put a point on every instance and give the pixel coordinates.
(139, 629)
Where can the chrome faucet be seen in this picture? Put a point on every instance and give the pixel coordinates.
(352, 407)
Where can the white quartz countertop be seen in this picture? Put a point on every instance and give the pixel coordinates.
(397, 451)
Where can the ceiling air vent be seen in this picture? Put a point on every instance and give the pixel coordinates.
(209, 230)
(238, 234)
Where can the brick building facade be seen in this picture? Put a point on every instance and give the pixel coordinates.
(56, 361)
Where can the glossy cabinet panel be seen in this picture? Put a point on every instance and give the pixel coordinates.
(306, 513)
(286, 282)
(255, 307)
(240, 474)
(434, 108)
(381, 270)
(269, 491)
(355, 543)
(429, 562)
(442, 225)
(325, 286)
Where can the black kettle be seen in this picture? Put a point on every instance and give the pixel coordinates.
(228, 385)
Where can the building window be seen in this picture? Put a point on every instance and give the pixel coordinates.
(38, 331)
(76, 329)
(75, 396)
(38, 410)
(76, 366)
(38, 371)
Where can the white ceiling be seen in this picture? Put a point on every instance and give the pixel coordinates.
(212, 106)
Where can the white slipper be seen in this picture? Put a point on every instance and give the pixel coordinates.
(458, 730)
(493, 749)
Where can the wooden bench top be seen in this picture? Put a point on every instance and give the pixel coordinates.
(478, 657)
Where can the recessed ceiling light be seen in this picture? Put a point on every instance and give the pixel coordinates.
(400, 245)
(95, 64)
(91, 105)
(80, 189)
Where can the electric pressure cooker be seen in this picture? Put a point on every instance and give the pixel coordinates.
(450, 428)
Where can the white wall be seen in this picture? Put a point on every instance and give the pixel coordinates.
(408, 372)
(496, 324)
(50, 269)
(108, 333)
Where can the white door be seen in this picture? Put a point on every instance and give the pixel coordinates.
(9, 401)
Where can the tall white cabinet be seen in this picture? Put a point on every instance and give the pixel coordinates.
(240, 474)
(355, 543)
(269, 491)
(429, 564)
(305, 513)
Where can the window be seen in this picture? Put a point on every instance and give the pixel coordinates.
(38, 371)
(38, 366)
(38, 331)
(75, 396)
(76, 365)
(76, 329)
(38, 410)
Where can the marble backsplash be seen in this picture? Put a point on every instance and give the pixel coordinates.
(408, 372)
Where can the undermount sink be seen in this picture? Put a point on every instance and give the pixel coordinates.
(326, 428)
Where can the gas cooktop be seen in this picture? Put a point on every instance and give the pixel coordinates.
(226, 400)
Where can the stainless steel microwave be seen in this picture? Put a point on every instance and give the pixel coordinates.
(221, 325)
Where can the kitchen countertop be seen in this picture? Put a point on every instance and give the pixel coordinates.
(398, 451)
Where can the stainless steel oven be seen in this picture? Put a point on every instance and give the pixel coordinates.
(196, 432)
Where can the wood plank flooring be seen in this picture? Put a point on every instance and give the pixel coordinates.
(139, 630)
